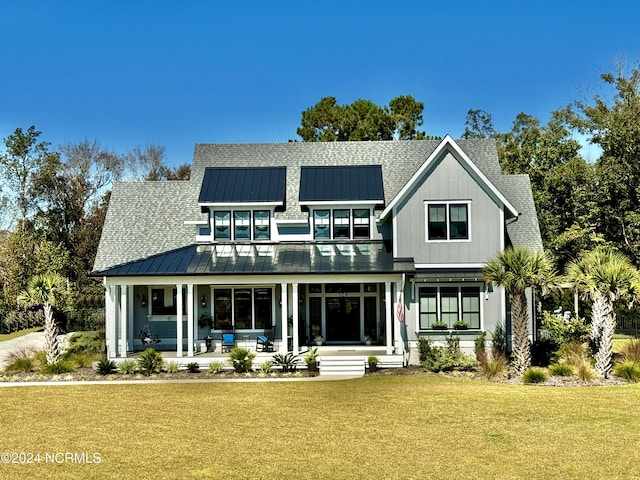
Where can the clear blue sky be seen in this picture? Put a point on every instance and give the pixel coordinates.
(130, 73)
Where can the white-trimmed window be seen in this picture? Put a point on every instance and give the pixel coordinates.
(447, 221)
(245, 222)
(222, 225)
(342, 223)
(243, 308)
(440, 307)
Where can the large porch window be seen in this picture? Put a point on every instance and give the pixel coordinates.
(164, 301)
(442, 307)
(243, 308)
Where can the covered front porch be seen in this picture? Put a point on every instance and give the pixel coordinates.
(188, 320)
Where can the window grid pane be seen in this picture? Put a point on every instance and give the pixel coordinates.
(261, 227)
(242, 223)
(428, 307)
(321, 224)
(437, 222)
(222, 225)
(361, 223)
(341, 224)
(458, 222)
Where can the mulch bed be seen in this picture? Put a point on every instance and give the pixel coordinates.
(88, 374)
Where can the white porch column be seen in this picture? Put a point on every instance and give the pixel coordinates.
(285, 313)
(296, 324)
(110, 320)
(190, 320)
(179, 320)
(131, 316)
(397, 335)
(388, 302)
(124, 310)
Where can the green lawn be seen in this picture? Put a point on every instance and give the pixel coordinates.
(19, 333)
(396, 427)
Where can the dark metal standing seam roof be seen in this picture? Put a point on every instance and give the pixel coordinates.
(243, 185)
(284, 258)
(342, 183)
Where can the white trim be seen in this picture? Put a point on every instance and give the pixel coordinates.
(196, 222)
(501, 230)
(449, 144)
(447, 204)
(364, 203)
(449, 265)
(238, 206)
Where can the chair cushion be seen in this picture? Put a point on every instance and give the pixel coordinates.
(228, 338)
(263, 339)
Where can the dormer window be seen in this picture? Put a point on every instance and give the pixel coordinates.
(242, 225)
(222, 225)
(342, 223)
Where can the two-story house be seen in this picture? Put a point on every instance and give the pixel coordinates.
(353, 242)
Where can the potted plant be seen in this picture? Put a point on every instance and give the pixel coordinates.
(319, 339)
(460, 325)
(439, 325)
(312, 360)
(373, 363)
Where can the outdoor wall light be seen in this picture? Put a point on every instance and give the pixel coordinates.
(203, 301)
(143, 301)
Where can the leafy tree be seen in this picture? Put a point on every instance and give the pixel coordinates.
(20, 165)
(562, 182)
(327, 121)
(406, 113)
(479, 124)
(613, 126)
(45, 290)
(517, 269)
(604, 276)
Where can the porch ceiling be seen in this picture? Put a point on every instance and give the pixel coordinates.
(284, 258)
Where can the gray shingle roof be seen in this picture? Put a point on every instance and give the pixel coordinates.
(147, 218)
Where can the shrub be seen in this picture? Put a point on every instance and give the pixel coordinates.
(372, 360)
(193, 367)
(499, 341)
(534, 375)
(266, 366)
(287, 362)
(150, 361)
(631, 350)
(424, 347)
(480, 346)
(241, 359)
(561, 370)
(58, 367)
(106, 367)
(585, 371)
(128, 367)
(85, 343)
(216, 367)
(627, 369)
(543, 351)
(80, 359)
(172, 367)
(494, 368)
(21, 360)
(441, 359)
(573, 353)
(562, 331)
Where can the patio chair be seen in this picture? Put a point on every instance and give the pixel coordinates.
(228, 341)
(264, 344)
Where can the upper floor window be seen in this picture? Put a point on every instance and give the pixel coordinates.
(222, 225)
(447, 221)
(244, 223)
(342, 223)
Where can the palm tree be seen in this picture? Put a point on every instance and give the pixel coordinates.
(516, 269)
(45, 290)
(604, 276)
